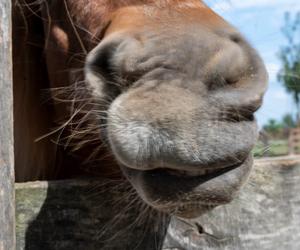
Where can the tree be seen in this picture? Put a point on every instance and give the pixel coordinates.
(288, 121)
(289, 74)
(273, 127)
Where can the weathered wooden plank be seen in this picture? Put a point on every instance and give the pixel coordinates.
(7, 235)
(265, 216)
(82, 215)
(71, 215)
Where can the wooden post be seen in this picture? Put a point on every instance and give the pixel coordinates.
(294, 141)
(7, 203)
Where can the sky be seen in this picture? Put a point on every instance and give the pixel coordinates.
(260, 21)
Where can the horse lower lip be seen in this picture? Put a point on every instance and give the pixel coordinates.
(216, 188)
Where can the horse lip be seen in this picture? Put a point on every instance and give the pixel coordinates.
(183, 171)
(191, 168)
(213, 189)
(203, 173)
(206, 173)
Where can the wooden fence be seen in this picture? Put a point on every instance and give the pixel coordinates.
(64, 215)
(294, 141)
(7, 226)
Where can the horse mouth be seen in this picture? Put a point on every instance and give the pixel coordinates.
(205, 173)
(188, 192)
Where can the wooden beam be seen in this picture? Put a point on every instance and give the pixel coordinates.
(73, 214)
(7, 226)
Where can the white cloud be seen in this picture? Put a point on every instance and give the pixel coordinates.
(280, 95)
(228, 5)
(273, 69)
(221, 6)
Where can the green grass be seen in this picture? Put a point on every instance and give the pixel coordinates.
(276, 148)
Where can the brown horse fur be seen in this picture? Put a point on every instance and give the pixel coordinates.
(158, 52)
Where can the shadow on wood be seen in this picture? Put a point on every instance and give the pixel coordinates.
(77, 215)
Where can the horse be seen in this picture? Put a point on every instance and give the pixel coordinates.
(160, 93)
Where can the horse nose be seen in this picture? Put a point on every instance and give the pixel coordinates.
(148, 133)
(142, 127)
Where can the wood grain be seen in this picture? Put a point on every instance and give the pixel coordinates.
(7, 228)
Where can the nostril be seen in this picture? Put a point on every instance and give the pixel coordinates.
(234, 116)
(236, 38)
(99, 60)
(100, 71)
(231, 81)
(216, 81)
(237, 114)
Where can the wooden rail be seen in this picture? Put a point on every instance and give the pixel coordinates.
(7, 226)
(66, 215)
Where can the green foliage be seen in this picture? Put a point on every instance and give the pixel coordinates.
(273, 127)
(288, 121)
(289, 74)
(280, 129)
(275, 148)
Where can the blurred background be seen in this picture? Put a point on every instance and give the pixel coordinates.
(273, 28)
